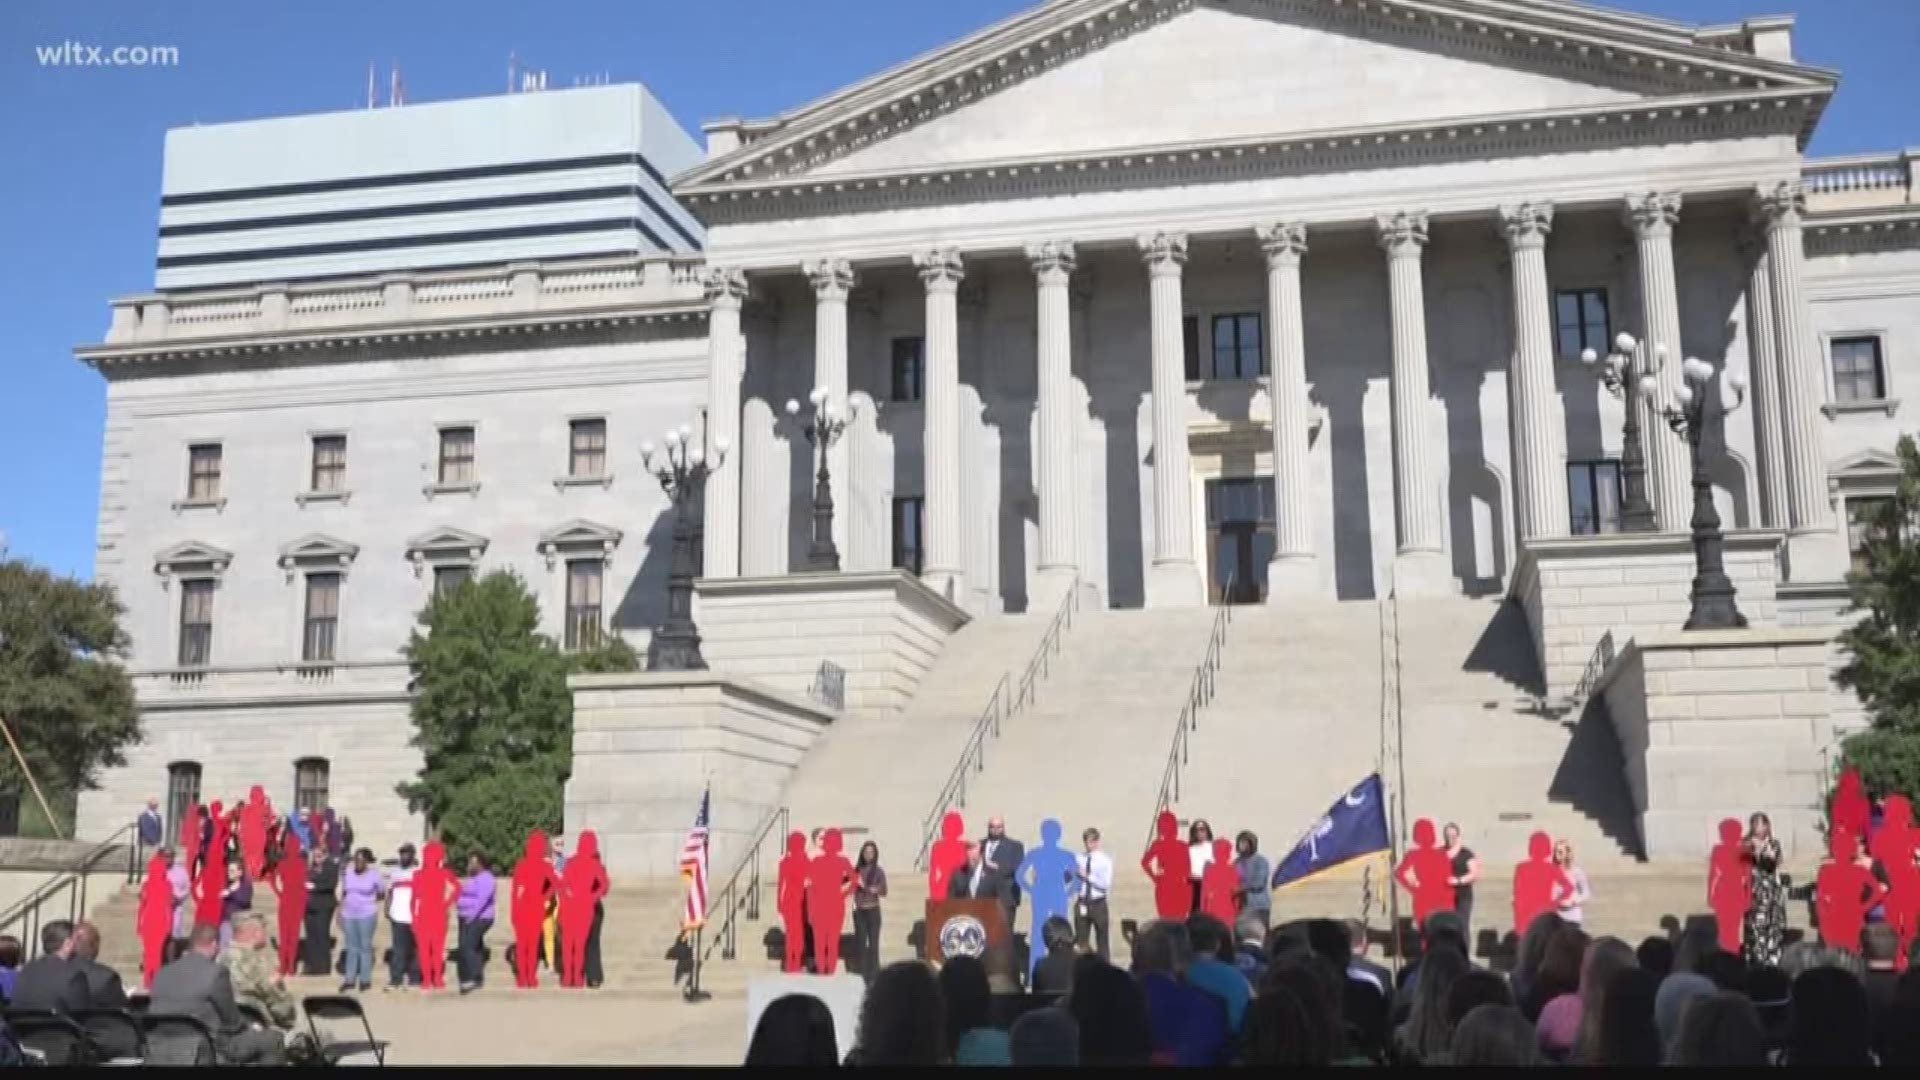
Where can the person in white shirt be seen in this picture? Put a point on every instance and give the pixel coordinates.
(1573, 906)
(1199, 854)
(403, 970)
(1093, 881)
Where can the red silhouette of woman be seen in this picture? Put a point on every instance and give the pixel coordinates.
(1218, 882)
(209, 892)
(1423, 872)
(1843, 894)
(217, 843)
(1730, 884)
(1893, 847)
(1168, 865)
(829, 882)
(534, 884)
(154, 920)
(288, 881)
(949, 853)
(581, 886)
(1850, 811)
(790, 898)
(1538, 883)
(190, 839)
(253, 833)
(434, 890)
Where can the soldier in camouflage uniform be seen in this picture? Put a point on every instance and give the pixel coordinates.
(255, 973)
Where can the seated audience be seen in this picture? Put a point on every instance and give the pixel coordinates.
(1718, 1029)
(1699, 939)
(196, 985)
(1897, 1039)
(1110, 1009)
(1474, 988)
(1677, 991)
(1250, 949)
(1318, 993)
(1279, 1032)
(1771, 992)
(902, 1018)
(1555, 1004)
(1426, 1035)
(1831, 1025)
(1189, 1024)
(1361, 968)
(255, 973)
(794, 1030)
(971, 1037)
(1528, 960)
(1494, 1036)
(1217, 976)
(1656, 955)
(1879, 944)
(9, 965)
(51, 982)
(1627, 1036)
(1044, 1038)
(1607, 957)
(104, 990)
(1054, 975)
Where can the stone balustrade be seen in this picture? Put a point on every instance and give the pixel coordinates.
(1863, 181)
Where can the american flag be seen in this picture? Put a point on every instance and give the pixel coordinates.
(693, 867)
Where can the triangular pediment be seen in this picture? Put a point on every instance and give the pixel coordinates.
(447, 540)
(1866, 465)
(580, 533)
(319, 548)
(191, 554)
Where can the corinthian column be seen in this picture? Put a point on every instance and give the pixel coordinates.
(1763, 356)
(1053, 264)
(1420, 568)
(1539, 428)
(832, 280)
(726, 351)
(1294, 570)
(1176, 580)
(1652, 218)
(940, 270)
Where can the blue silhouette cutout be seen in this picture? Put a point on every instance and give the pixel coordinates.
(1044, 874)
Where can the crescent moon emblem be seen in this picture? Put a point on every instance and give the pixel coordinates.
(1356, 799)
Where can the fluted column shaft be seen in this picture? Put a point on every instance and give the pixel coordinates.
(1670, 487)
(1802, 393)
(1539, 427)
(764, 487)
(941, 270)
(1175, 579)
(1416, 494)
(1053, 263)
(833, 280)
(1292, 569)
(726, 289)
(1763, 354)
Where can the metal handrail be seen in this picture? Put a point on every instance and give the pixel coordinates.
(69, 884)
(1200, 693)
(998, 710)
(728, 901)
(1597, 664)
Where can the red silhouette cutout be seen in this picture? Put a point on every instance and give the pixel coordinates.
(1424, 871)
(434, 890)
(790, 897)
(1843, 894)
(289, 883)
(949, 854)
(190, 840)
(1538, 883)
(209, 893)
(1730, 884)
(1171, 869)
(216, 853)
(829, 882)
(1893, 846)
(253, 833)
(1218, 882)
(1850, 811)
(533, 884)
(581, 886)
(154, 920)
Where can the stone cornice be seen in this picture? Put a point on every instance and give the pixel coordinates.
(1863, 231)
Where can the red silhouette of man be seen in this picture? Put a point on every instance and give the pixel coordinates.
(1850, 811)
(217, 841)
(949, 853)
(1218, 882)
(829, 882)
(1170, 868)
(1729, 884)
(1538, 883)
(153, 922)
(190, 839)
(581, 886)
(253, 833)
(434, 890)
(790, 897)
(289, 883)
(1424, 871)
(209, 892)
(1843, 894)
(533, 884)
(1893, 847)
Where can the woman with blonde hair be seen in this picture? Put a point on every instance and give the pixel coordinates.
(1573, 906)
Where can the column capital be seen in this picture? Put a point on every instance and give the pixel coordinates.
(1051, 255)
(1163, 252)
(1781, 204)
(1653, 214)
(1526, 225)
(940, 268)
(725, 287)
(1403, 233)
(832, 278)
(1285, 242)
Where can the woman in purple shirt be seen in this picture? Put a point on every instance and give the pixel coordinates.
(475, 908)
(360, 892)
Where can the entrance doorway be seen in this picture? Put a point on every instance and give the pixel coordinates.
(1239, 539)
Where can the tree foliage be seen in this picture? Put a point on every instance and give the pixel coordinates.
(492, 716)
(1884, 668)
(63, 691)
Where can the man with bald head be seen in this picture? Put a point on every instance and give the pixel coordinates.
(196, 985)
(1002, 855)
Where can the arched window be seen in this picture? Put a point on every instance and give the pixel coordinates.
(310, 777)
(183, 791)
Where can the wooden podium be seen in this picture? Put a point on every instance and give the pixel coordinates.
(970, 928)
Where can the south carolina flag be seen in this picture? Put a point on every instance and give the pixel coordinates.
(1353, 828)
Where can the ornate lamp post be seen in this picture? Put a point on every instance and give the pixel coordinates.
(682, 467)
(1712, 595)
(1627, 371)
(823, 424)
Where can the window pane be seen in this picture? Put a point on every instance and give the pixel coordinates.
(448, 578)
(196, 623)
(456, 455)
(203, 472)
(1607, 495)
(1567, 319)
(323, 617)
(1225, 354)
(1862, 525)
(183, 791)
(908, 520)
(1584, 518)
(1596, 324)
(310, 783)
(329, 463)
(588, 448)
(1190, 346)
(909, 367)
(583, 603)
(1252, 357)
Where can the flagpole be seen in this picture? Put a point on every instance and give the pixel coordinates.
(694, 993)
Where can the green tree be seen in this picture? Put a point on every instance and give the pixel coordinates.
(1884, 666)
(63, 691)
(492, 716)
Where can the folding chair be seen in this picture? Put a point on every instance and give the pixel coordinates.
(56, 1038)
(115, 1034)
(346, 1012)
(178, 1040)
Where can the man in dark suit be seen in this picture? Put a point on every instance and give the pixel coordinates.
(52, 982)
(1002, 858)
(196, 985)
(104, 990)
(972, 881)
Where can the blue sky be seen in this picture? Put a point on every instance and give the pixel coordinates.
(79, 189)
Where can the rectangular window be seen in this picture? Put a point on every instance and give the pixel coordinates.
(456, 455)
(183, 792)
(909, 368)
(908, 523)
(1190, 346)
(323, 618)
(1857, 374)
(329, 463)
(196, 623)
(1237, 352)
(1863, 517)
(1593, 496)
(583, 603)
(1581, 322)
(448, 578)
(310, 782)
(203, 472)
(588, 455)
